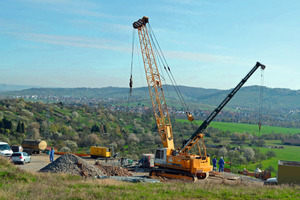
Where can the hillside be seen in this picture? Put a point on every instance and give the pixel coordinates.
(247, 97)
(280, 107)
(10, 87)
(75, 128)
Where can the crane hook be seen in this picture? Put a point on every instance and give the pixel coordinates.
(190, 117)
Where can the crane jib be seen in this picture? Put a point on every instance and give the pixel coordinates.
(194, 138)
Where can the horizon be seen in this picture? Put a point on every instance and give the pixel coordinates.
(40, 87)
(75, 43)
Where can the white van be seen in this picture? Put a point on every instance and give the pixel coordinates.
(5, 149)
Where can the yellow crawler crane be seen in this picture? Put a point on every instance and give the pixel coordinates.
(171, 162)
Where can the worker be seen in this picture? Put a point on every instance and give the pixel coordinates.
(140, 162)
(221, 165)
(214, 164)
(52, 155)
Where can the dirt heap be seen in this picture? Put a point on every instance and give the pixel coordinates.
(72, 164)
(112, 170)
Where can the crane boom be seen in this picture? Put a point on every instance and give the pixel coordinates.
(197, 135)
(154, 83)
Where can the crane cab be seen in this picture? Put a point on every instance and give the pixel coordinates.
(161, 156)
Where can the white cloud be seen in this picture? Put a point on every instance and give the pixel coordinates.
(75, 41)
(201, 57)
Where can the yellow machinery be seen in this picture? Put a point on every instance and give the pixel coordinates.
(102, 152)
(171, 162)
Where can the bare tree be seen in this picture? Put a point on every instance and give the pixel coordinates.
(33, 130)
(71, 145)
(132, 138)
(248, 154)
(92, 139)
(222, 152)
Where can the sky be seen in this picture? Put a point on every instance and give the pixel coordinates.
(208, 44)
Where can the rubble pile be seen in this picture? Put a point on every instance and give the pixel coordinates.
(72, 164)
(112, 170)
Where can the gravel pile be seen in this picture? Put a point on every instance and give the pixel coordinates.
(112, 170)
(72, 164)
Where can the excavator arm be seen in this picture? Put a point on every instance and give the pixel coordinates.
(199, 132)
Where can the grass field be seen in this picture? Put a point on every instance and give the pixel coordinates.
(18, 184)
(250, 128)
(289, 153)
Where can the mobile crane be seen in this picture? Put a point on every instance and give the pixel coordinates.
(171, 162)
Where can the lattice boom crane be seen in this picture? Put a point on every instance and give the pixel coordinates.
(171, 162)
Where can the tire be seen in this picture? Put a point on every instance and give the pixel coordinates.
(23, 163)
(29, 161)
(202, 175)
(93, 156)
(152, 173)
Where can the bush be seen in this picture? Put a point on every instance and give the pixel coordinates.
(234, 170)
(4, 139)
(65, 149)
(270, 154)
(71, 145)
(271, 169)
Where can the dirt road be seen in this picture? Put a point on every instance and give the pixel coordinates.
(42, 160)
(37, 162)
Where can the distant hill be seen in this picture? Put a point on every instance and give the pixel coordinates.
(9, 87)
(247, 97)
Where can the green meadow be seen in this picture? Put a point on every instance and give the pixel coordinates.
(250, 128)
(288, 153)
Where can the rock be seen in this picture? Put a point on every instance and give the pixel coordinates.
(112, 170)
(72, 164)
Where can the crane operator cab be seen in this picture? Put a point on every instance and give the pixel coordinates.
(161, 156)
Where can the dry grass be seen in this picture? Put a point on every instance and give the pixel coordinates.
(17, 184)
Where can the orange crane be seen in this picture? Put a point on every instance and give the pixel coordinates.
(171, 162)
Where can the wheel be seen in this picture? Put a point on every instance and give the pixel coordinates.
(93, 156)
(29, 160)
(152, 173)
(202, 175)
(23, 163)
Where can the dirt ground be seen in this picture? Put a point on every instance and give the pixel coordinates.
(37, 162)
(42, 160)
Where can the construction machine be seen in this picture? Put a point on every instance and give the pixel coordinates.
(263, 175)
(102, 152)
(171, 162)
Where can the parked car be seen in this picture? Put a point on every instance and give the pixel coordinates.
(5, 149)
(20, 157)
(271, 181)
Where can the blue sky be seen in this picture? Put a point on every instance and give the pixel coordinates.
(209, 44)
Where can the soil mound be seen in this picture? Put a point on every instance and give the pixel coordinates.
(112, 170)
(72, 164)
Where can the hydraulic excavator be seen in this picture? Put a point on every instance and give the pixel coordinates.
(171, 162)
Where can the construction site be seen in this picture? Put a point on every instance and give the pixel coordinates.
(87, 167)
(166, 163)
